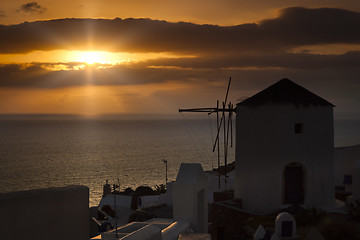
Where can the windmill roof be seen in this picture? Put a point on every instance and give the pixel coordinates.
(285, 91)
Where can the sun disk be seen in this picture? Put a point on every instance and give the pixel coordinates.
(91, 57)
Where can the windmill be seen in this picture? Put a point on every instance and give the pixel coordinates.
(221, 123)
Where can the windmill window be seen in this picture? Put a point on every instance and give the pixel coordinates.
(298, 128)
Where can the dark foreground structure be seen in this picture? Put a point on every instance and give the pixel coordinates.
(53, 213)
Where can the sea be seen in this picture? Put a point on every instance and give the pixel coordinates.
(41, 151)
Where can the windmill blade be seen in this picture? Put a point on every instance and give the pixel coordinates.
(219, 127)
(223, 116)
(228, 129)
(230, 110)
(227, 91)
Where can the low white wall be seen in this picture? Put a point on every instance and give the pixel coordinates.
(53, 213)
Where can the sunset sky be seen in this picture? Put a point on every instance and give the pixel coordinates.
(155, 56)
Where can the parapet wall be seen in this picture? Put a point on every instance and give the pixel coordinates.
(52, 213)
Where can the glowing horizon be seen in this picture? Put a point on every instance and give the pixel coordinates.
(80, 56)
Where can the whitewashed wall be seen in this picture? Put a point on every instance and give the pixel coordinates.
(266, 143)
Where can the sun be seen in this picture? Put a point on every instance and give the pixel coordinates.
(91, 57)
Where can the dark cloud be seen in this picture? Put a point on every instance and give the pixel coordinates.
(338, 85)
(41, 75)
(274, 60)
(294, 27)
(300, 26)
(32, 7)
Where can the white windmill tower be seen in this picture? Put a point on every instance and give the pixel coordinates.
(284, 149)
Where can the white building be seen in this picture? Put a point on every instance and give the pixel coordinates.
(284, 149)
(190, 201)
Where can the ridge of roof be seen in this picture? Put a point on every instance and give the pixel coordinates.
(283, 92)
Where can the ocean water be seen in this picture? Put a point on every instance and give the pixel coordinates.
(56, 150)
(47, 151)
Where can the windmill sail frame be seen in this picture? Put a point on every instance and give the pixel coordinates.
(230, 110)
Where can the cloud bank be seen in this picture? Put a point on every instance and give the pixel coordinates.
(293, 27)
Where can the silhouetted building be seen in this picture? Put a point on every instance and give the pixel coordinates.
(284, 149)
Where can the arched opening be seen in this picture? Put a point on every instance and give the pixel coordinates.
(294, 189)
